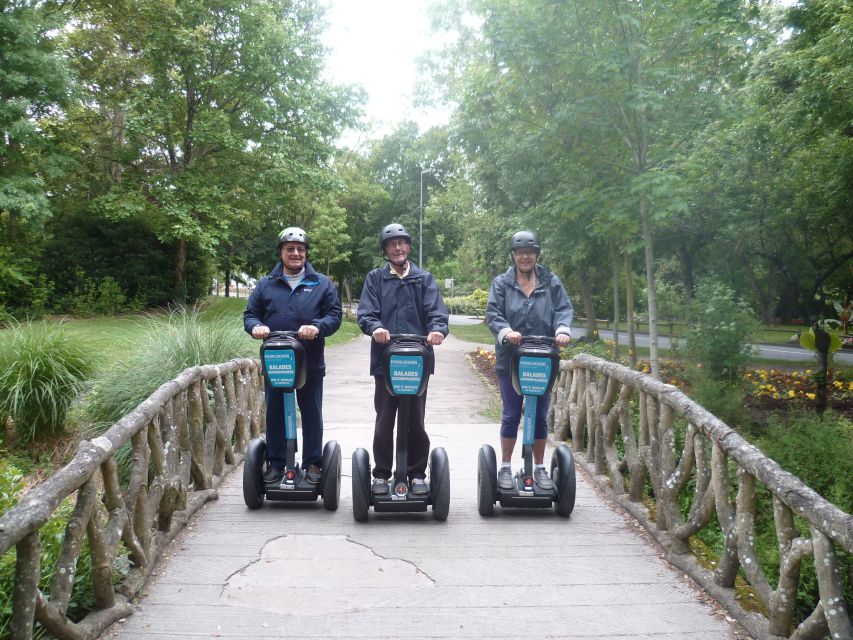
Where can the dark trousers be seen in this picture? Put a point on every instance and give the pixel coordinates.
(310, 401)
(383, 435)
(512, 403)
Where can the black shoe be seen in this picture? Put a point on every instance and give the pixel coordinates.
(273, 475)
(313, 475)
(419, 487)
(380, 487)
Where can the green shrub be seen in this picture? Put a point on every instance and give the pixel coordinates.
(51, 535)
(170, 344)
(42, 370)
(721, 328)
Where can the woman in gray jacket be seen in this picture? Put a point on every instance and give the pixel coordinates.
(526, 300)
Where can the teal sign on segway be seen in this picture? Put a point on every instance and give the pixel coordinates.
(533, 370)
(406, 364)
(283, 363)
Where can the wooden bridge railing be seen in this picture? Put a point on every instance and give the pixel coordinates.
(591, 403)
(185, 437)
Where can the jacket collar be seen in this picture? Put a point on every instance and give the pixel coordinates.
(543, 276)
(310, 273)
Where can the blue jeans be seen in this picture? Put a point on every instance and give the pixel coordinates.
(512, 403)
(310, 401)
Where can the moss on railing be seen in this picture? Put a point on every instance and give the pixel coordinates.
(186, 437)
(591, 403)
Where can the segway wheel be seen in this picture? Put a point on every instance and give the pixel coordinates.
(486, 480)
(439, 477)
(563, 474)
(360, 484)
(331, 481)
(253, 481)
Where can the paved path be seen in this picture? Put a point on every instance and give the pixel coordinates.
(300, 571)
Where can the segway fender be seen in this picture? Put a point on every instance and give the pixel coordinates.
(361, 496)
(563, 474)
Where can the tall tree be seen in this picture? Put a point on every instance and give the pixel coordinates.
(34, 87)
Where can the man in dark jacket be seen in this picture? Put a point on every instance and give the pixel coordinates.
(399, 298)
(527, 300)
(294, 297)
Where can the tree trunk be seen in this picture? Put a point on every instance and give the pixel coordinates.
(588, 304)
(181, 270)
(228, 283)
(614, 258)
(629, 310)
(686, 262)
(645, 216)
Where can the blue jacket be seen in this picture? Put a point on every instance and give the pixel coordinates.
(546, 310)
(401, 305)
(314, 301)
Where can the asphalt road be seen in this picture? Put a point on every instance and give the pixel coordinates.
(766, 351)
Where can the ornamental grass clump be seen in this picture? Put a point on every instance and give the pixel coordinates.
(169, 345)
(43, 369)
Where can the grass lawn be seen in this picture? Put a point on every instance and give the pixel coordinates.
(111, 338)
(479, 333)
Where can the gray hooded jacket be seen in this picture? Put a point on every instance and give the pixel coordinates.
(546, 312)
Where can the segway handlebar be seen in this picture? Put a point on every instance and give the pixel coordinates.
(409, 336)
(281, 334)
(529, 339)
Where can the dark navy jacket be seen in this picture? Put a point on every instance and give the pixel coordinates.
(314, 301)
(401, 305)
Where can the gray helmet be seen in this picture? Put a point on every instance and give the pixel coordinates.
(292, 234)
(525, 240)
(391, 231)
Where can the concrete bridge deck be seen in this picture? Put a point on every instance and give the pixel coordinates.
(300, 571)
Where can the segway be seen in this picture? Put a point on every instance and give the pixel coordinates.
(534, 368)
(283, 362)
(406, 363)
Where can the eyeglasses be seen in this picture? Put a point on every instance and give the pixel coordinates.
(396, 244)
(294, 249)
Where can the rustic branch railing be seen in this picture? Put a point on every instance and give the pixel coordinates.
(186, 436)
(591, 403)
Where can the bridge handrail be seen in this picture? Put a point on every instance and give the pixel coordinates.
(590, 404)
(186, 436)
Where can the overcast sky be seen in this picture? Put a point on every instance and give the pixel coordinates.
(374, 43)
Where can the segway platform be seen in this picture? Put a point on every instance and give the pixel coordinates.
(283, 362)
(406, 363)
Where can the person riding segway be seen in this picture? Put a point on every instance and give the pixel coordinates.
(400, 298)
(295, 298)
(529, 300)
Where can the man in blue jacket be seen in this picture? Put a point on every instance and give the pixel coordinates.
(399, 298)
(294, 297)
(527, 300)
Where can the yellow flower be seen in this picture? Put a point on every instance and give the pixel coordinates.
(810, 396)
(792, 394)
(838, 384)
(808, 372)
(850, 388)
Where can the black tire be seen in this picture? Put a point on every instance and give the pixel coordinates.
(331, 480)
(563, 475)
(439, 478)
(360, 484)
(253, 469)
(486, 480)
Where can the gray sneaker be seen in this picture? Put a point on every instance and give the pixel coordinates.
(419, 487)
(543, 479)
(380, 487)
(505, 478)
(313, 474)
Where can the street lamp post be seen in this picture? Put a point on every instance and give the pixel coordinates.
(421, 222)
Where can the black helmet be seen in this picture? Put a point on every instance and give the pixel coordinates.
(524, 240)
(292, 234)
(391, 231)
